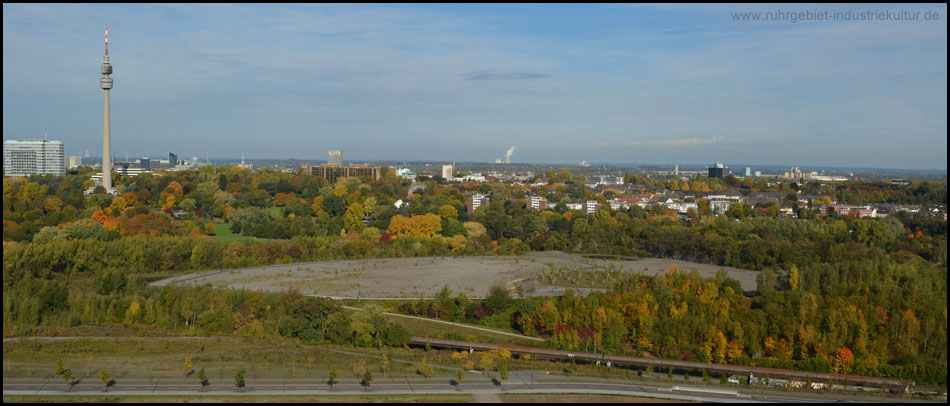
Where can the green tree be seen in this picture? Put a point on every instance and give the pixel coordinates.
(333, 375)
(202, 379)
(498, 297)
(443, 303)
(104, 378)
(67, 377)
(503, 372)
(239, 379)
(367, 378)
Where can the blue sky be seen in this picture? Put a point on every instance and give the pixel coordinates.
(607, 83)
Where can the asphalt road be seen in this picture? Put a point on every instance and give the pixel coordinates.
(518, 382)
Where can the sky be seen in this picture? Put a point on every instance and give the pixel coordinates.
(633, 84)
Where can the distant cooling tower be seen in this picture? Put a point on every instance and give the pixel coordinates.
(508, 154)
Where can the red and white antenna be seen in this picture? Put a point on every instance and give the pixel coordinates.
(107, 40)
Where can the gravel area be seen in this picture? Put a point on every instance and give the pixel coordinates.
(411, 278)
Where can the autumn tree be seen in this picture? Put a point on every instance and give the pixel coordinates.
(353, 219)
(844, 360)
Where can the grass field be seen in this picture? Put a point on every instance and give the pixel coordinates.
(452, 398)
(155, 358)
(139, 356)
(223, 231)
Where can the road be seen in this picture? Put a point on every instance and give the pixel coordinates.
(473, 383)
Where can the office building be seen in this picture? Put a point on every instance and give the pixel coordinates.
(447, 172)
(719, 171)
(335, 157)
(75, 161)
(172, 159)
(332, 172)
(748, 171)
(604, 180)
(475, 201)
(29, 157)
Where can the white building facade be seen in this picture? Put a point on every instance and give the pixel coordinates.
(29, 157)
(75, 161)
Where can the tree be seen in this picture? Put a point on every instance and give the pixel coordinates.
(67, 376)
(447, 211)
(359, 368)
(443, 303)
(353, 219)
(498, 297)
(188, 367)
(425, 370)
(333, 375)
(721, 347)
(202, 379)
(474, 229)
(737, 210)
(793, 277)
(367, 378)
(239, 379)
(844, 360)
(334, 205)
(59, 367)
(187, 204)
(459, 375)
(104, 378)
(384, 364)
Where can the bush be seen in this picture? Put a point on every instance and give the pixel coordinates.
(309, 335)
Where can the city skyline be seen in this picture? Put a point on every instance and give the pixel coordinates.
(564, 83)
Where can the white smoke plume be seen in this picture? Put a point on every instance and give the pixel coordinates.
(508, 154)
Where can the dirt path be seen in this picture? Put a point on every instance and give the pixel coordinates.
(453, 324)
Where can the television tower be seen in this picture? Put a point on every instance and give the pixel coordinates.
(106, 83)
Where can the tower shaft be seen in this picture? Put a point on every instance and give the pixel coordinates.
(106, 146)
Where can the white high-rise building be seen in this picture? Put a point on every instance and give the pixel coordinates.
(447, 172)
(335, 156)
(75, 161)
(475, 201)
(28, 157)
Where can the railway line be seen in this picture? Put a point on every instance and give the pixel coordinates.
(888, 384)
